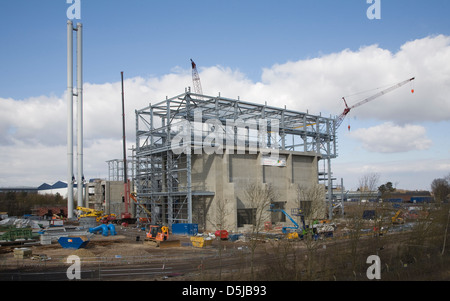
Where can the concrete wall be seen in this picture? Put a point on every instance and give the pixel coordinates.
(113, 194)
(228, 175)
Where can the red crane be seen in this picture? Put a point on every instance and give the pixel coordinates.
(125, 216)
(196, 79)
(347, 108)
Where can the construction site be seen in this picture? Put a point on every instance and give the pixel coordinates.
(222, 189)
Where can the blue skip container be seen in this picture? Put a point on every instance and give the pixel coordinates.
(185, 229)
(73, 242)
(234, 237)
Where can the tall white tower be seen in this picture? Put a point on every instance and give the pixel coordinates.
(70, 95)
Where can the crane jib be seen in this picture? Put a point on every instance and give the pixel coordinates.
(347, 109)
(390, 89)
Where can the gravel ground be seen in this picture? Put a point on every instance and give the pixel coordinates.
(107, 249)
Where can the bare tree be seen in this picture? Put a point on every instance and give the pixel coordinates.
(314, 196)
(259, 197)
(220, 217)
(441, 189)
(311, 200)
(445, 232)
(368, 184)
(220, 222)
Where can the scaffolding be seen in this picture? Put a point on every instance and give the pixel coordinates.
(169, 132)
(116, 170)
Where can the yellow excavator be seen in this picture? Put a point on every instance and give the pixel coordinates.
(88, 212)
(98, 214)
(397, 219)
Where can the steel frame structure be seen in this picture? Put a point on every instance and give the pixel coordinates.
(116, 171)
(163, 178)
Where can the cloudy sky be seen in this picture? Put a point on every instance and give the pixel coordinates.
(306, 55)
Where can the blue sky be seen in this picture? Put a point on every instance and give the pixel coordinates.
(250, 43)
(151, 37)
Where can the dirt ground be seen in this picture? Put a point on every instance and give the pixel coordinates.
(119, 252)
(128, 243)
(110, 251)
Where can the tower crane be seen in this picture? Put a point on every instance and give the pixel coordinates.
(196, 79)
(347, 108)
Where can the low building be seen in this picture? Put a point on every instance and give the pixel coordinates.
(58, 187)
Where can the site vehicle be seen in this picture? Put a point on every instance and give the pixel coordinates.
(285, 230)
(158, 233)
(98, 214)
(106, 218)
(292, 232)
(323, 228)
(88, 212)
(397, 219)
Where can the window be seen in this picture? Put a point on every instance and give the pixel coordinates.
(246, 216)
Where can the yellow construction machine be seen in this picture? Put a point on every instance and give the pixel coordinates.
(159, 235)
(88, 212)
(397, 219)
(106, 218)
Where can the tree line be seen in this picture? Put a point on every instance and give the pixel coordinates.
(21, 203)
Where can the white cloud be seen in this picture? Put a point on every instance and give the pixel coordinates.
(33, 120)
(25, 164)
(405, 174)
(33, 131)
(391, 138)
(399, 166)
(319, 84)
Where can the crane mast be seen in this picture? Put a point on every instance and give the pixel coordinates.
(348, 109)
(196, 79)
(126, 194)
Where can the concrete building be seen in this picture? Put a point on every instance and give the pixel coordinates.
(98, 194)
(225, 178)
(107, 196)
(195, 151)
